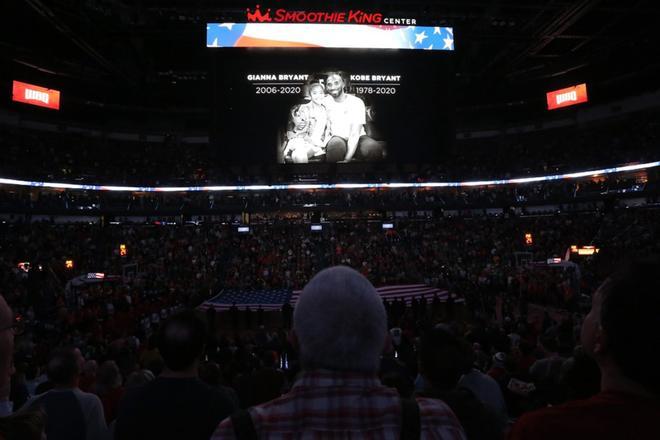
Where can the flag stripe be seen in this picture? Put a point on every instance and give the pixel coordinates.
(273, 299)
(328, 35)
(247, 41)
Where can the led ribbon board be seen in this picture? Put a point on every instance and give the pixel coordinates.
(329, 35)
(294, 187)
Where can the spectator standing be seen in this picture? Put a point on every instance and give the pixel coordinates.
(177, 404)
(71, 414)
(619, 332)
(340, 325)
(7, 331)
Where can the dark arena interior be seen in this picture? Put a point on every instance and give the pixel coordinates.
(329, 220)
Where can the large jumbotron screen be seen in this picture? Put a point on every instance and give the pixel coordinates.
(330, 87)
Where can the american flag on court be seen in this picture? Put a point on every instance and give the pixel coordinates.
(268, 299)
(405, 292)
(274, 299)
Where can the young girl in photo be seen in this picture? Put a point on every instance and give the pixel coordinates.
(307, 133)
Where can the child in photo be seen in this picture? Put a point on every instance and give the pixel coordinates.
(307, 134)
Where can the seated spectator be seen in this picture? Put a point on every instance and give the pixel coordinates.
(177, 404)
(620, 332)
(70, 413)
(340, 325)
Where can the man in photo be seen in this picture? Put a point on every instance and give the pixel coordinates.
(346, 119)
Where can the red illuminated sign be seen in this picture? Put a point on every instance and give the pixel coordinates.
(584, 250)
(347, 17)
(566, 97)
(35, 95)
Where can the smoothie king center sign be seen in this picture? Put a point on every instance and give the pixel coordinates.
(351, 16)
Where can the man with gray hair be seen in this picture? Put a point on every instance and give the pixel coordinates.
(340, 326)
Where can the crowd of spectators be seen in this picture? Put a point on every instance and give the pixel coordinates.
(279, 253)
(81, 158)
(485, 260)
(125, 352)
(561, 192)
(606, 143)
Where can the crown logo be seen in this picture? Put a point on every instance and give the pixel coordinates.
(257, 15)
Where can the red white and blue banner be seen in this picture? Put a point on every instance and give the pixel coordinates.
(329, 35)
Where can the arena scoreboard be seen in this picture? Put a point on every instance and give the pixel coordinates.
(353, 85)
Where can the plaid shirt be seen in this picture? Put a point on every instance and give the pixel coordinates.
(325, 404)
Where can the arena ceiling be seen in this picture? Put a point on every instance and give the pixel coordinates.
(152, 53)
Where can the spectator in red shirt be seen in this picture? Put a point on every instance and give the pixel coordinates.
(620, 332)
